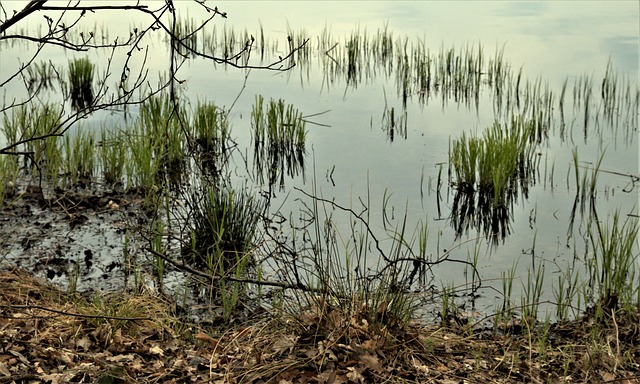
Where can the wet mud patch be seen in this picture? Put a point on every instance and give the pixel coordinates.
(73, 239)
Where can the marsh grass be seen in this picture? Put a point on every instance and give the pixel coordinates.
(81, 72)
(613, 271)
(394, 123)
(496, 162)
(279, 140)
(9, 171)
(212, 134)
(54, 158)
(79, 158)
(356, 279)
(222, 228)
(163, 134)
(143, 165)
(112, 153)
(224, 223)
(489, 173)
(31, 130)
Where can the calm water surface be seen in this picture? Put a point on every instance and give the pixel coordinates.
(549, 41)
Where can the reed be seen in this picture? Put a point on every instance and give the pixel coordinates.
(223, 224)
(79, 158)
(8, 176)
(53, 158)
(494, 163)
(353, 58)
(279, 140)
(81, 72)
(113, 155)
(143, 165)
(613, 271)
(31, 126)
(211, 128)
(530, 300)
(394, 123)
(567, 293)
(164, 124)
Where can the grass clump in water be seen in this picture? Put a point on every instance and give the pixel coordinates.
(279, 137)
(488, 172)
(212, 133)
(223, 227)
(81, 72)
(613, 270)
(8, 175)
(495, 162)
(113, 155)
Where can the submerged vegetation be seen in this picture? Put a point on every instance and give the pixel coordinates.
(331, 277)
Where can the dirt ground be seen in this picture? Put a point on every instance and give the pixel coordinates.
(48, 336)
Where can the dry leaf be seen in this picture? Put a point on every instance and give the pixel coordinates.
(53, 378)
(207, 339)
(370, 345)
(326, 377)
(156, 350)
(84, 343)
(371, 362)
(283, 344)
(117, 337)
(4, 370)
(355, 375)
(121, 358)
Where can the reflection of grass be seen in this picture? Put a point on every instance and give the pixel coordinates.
(394, 122)
(40, 76)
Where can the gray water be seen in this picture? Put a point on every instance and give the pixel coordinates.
(351, 157)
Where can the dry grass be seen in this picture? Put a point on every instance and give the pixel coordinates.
(49, 336)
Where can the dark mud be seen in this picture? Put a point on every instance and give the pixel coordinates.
(74, 239)
(93, 242)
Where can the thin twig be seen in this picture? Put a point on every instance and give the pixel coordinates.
(64, 313)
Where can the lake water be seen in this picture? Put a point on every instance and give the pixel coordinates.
(352, 159)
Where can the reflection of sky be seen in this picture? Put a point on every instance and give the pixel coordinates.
(551, 40)
(544, 36)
